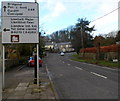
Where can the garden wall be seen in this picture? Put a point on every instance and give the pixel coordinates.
(106, 52)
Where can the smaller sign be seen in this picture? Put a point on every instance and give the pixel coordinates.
(14, 38)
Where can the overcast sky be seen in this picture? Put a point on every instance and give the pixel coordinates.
(59, 14)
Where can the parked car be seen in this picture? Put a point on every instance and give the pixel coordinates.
(62, 53)
(31, 62)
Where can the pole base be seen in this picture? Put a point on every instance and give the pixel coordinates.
(35, 80)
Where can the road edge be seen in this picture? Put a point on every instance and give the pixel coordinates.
(52, 84)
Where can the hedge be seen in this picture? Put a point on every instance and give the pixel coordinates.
(111, 48)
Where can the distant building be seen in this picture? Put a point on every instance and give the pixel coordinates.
(63, 46)
(118, 42)
(49, 45)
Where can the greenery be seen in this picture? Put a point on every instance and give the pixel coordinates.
(80, 35)
(23, 50)
(76, 57)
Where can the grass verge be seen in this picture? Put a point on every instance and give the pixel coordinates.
(76, 57)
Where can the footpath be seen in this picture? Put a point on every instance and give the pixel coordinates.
(26, 89)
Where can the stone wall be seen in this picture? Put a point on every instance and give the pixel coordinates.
(103, 56)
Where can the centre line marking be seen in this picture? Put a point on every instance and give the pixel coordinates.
(99, 75)
(79, 68)
(68, 64)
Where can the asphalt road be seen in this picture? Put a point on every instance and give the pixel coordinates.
(76, 80)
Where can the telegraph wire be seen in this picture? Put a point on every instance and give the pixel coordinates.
(106, 14)
(92, 20)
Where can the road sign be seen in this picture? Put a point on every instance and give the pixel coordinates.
(20, 19)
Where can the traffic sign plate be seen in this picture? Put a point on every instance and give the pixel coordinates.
(21, 19)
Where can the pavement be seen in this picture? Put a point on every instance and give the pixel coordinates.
(0, 86)
(26, 89)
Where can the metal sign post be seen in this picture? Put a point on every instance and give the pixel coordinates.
(38, 64)
(20, 24)
(3, 80)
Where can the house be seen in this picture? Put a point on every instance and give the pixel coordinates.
(63, 46)
(49, 45)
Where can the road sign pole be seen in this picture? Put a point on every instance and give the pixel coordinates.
(37, 64)
(3, 80)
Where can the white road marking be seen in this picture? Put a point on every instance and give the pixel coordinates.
(95, 65)
(20, 67)
(79, 68)
(63, 62)
(68, 64)
(109, 68)
(99, 75)
(48, 73)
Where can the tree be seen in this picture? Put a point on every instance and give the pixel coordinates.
(41, 45)
(81, 37)
(99, 39)
(117, 38)
(60, 36)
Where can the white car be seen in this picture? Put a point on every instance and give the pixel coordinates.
(62, 53)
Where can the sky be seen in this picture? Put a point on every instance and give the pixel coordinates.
(59, 14)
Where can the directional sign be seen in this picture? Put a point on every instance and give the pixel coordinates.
(20, 19)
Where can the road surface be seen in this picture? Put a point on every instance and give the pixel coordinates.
(76, 80)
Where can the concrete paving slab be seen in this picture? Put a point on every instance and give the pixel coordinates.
(9, 90)
(19, 93)
(36, 95)
(0, 96)
(43, 95)
(29, 91)
(23, 84)
(33, 86)
(15, 97)
(20, 88)
(26, 89)
(28, 96)
(5, 96)
(0, 85)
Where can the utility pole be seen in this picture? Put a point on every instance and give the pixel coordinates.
(82, 40)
